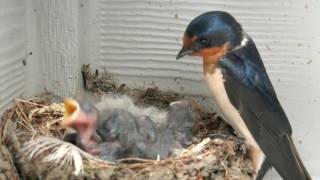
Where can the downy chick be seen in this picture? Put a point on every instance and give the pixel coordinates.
(180, 120)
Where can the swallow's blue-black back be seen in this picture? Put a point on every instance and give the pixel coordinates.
(250, 91)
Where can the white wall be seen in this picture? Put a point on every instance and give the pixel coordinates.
(12, 50)
(52, 28)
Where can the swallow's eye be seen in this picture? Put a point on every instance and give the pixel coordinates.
(204, 41)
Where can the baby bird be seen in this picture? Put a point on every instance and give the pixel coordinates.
(83, 118)
(164, 146)
(180, 120)
(119, 130)
(147, 136)
(119, 125)
(112, 134)
(111, 151)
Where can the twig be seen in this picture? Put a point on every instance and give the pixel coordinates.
(134, 159)
(29, 126)
(4, 123)
(29, 102)
(25, 117)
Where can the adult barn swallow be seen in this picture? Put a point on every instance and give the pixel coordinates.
(241, 88)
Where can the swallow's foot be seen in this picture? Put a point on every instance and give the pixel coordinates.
(225, 137)
(240, 148)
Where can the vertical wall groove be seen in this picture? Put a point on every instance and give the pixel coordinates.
(12, 51)
(59, 45)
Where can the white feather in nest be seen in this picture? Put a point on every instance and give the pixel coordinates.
(61, 153)
(124, 102)
(196, 149)
(64, 154)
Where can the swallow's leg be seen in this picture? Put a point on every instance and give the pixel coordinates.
(257, 157)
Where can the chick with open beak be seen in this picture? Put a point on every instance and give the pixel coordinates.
(82, 118)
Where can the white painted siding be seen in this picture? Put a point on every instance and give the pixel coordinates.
(12, 51)
(58, 31)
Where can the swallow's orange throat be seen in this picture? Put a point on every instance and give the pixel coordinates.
(211, 56)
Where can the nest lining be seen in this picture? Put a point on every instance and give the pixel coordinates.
(32, 130)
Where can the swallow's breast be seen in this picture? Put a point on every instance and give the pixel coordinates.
(215, 82)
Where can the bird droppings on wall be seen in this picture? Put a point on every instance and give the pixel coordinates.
(24, 62)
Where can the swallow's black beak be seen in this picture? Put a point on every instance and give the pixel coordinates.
(183, 52)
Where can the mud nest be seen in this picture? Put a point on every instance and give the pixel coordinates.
(31, 130)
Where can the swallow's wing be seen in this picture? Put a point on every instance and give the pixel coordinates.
(251, 92)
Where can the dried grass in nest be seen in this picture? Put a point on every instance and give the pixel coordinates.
(101, 82)
(32, 129)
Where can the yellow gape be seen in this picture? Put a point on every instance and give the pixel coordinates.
(71, 108)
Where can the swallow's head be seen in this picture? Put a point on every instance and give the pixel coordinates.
(81, 117)
(211, 34)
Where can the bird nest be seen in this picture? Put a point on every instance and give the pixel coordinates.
(32, 130)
